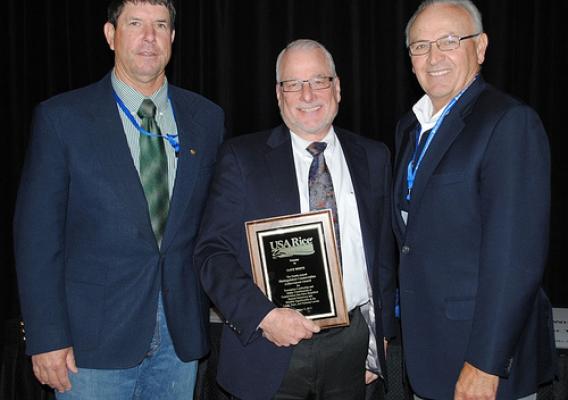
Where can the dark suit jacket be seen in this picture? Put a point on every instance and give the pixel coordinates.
(256, 178)
(89, 269)
(475, 246)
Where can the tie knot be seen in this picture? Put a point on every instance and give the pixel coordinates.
(147, 109)
(316, 148)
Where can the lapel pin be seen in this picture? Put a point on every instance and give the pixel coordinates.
(192, 151)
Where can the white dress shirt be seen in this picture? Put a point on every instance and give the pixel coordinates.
(423, 110)
(354, 264)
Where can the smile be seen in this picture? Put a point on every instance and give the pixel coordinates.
(439, 73)
(309, 109)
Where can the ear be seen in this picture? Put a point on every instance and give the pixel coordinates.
(278, 93)
(173, 36)
(481, 47)
(337, 89)
(109, 34)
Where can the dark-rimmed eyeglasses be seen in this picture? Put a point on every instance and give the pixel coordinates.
(319, 83)
(446, 43)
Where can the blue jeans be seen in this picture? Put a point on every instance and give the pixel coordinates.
(160, 375)
(529, 397)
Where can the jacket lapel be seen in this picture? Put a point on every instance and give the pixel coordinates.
(403, 154)
(111, 147)
(446, 135)
(280, 162)
(357, 163)
(191, 139)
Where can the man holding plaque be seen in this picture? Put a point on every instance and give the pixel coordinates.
(307, 164)
(472, 197)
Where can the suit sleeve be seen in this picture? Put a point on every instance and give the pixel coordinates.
(515, 201)
(226, 281)
(39, 237)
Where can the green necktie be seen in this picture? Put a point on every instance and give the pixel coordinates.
(154, 170)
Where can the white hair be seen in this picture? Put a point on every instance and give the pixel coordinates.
(305, 44)
(467, 5)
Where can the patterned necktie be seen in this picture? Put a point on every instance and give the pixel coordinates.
(154, 170)
(320, 186)
(322, 196)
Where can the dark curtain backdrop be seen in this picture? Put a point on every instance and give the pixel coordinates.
(226, 50)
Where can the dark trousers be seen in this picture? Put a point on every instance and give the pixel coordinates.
(375, 390)
(330, 366)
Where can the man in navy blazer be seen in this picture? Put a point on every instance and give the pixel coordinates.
(100, 293)
(471, 216)
(269, 352)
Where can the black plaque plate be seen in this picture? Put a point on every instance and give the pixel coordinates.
(295, 263)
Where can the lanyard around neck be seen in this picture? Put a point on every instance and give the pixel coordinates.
(172, 139)
(416, 159)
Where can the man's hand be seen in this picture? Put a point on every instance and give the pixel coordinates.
(51, 368)
(370, 377)
(286, 327)
(474, 384)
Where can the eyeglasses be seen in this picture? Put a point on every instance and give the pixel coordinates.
(446, 43)
(319, 83)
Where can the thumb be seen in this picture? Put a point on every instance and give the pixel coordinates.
(311, 325)
(70, 361)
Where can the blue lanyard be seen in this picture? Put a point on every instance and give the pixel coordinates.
(414, 164)
(171, 138)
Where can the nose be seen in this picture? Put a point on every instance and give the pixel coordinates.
(435, 54)
(149, 32)
(307, 92)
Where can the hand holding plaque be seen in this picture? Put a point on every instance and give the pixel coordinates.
(295, 263)
(287, 327)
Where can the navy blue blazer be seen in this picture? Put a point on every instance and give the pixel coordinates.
(255, 178)
(474, 250)
(89, 269)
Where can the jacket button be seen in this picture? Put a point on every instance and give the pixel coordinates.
(405, 250)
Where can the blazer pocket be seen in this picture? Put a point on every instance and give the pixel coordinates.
(459, 309)
(446, 179)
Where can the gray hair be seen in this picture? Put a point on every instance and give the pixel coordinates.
(467, 5)
(305, 44)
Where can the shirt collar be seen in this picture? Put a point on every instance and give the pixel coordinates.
(423, 110)
(300, 144)
(132, 99)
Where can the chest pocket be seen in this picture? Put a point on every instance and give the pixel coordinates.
(446, 179)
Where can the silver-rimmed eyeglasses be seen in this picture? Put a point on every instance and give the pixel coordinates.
(446, 43)
(318, 83)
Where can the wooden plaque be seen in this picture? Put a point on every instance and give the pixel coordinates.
(295, 262)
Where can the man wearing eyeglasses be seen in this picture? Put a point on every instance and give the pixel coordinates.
(471, 210)
(272, 352)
